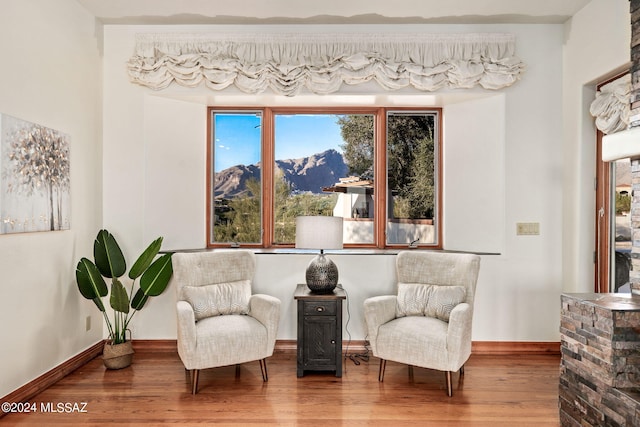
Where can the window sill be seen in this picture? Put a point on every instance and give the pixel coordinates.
(364, 251)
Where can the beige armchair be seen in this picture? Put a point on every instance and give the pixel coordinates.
(428, 322)
(220, 322)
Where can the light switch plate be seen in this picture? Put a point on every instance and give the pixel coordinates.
(527, 228)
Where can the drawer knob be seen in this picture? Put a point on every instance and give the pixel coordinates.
(320, 309)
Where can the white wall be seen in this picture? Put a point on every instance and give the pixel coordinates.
(596, 46)
(501, 167)
(474, 146)
(50, 74)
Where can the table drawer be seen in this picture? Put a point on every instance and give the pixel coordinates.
(319, 308)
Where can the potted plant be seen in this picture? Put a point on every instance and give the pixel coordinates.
(109, 262)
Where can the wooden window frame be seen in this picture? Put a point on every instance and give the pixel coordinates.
(603, 217)
(380, 170)
(604, 194)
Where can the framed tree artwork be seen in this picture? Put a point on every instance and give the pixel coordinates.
(34, 177)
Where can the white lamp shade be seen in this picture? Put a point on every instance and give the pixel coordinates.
(319, 232)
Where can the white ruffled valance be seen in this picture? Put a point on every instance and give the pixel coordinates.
(321, 63)
(611, 107)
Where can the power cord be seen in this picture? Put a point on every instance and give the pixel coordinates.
(354, 356)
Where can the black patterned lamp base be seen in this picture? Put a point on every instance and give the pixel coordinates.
(322, 275)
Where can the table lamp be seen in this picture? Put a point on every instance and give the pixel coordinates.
(320, 232)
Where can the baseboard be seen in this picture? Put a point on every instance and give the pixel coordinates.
(282, 346)
(515, 347)
(156, 346)
(49, 378)
(285, 346)
(291, 346)
(477, 347)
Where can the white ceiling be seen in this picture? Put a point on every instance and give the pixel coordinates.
(331, 11)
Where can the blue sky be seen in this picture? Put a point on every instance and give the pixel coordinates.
(237, 137)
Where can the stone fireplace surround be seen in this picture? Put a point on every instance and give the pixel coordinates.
(600, 368)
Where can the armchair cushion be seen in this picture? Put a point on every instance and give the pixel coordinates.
(228, 340)
(416, 299)
(218, 299)
(415, 340)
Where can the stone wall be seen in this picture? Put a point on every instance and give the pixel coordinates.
(600, 368)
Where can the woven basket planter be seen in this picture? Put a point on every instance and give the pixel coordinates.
(117, 356)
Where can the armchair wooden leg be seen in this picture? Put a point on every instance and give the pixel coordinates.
(263, 369)
(195, 373)
(383, 365)
(237, 370)
(449, 385)
(410, 372)
(462, 370)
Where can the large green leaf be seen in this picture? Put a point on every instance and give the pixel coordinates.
(98, 302)
(119, 298)
(156, 278)
(108, 255)
(139, 300)
(90, 282)
(144, 260)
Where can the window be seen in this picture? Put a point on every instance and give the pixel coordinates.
(236, 145)
(621, 226)
(378, 168)
(411, 178)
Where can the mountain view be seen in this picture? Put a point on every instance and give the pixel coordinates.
(308, 174)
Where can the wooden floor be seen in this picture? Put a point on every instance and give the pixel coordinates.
(496, 391)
